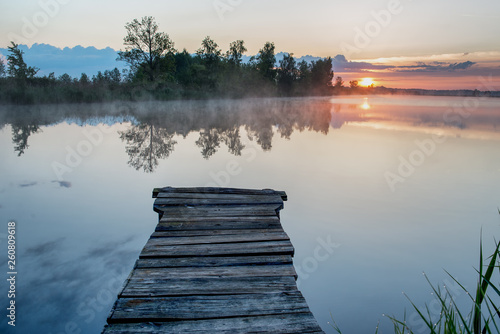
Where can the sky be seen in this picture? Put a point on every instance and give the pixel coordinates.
(409, 40)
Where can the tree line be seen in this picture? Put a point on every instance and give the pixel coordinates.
(156, 70)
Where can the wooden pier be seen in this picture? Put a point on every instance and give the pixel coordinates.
(219, 261)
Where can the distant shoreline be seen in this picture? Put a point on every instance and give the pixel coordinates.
(416, 92)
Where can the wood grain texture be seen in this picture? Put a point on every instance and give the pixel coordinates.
(155, 249)
(207, 307)
(274, 324)
(227, 285)
(210, 190)
(218, 261)
(221, 239)
(213, 261)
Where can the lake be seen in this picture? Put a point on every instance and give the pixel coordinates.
(380, 189)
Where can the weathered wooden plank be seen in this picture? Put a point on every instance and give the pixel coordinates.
(220, 239)
(213, 261)
(146, 274)
(188, 196)
(219, 210)
(200, 233)
(168, 219)
(210, 190)
(207, 307)
(282, 247)
(220, 200)
(207, 286)
(216, 224)
(275, 324)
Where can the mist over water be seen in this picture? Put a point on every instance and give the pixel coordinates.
(383, 188)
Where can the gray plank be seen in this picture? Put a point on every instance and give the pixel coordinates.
(220, 239)
(145, 274)
(283, 247)
(207, 286)
(210, 190)
(280, 324)
(200, 233)
(216, 224)
(214, 196)
(248, 219)
(219, 200)
(207, 307)
(219, 210)
(213, 261)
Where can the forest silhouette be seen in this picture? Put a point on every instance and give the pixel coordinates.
(157, 71)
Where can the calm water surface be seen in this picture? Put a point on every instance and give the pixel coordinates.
(381, 189)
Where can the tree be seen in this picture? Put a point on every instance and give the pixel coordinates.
(339, 83)
(84, 79)
(17, 67)
(304, 77)
(266, 61)
(235, 53)
(183, 61)
(65, 79)
(113, 76)
(354, 84)
(287, 74)
(99, 78)
(2, 69)
(322, 76)
(209, 52)
(145, 46)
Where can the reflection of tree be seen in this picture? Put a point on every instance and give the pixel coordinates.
(233, 140)
(146, 144)
(20, 135)
(209, 141)
(264, 136)
(215, 122)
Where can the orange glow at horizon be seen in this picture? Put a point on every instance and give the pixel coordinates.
(366, 82)
(449, 80)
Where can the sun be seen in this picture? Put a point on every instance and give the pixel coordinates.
(367, 82)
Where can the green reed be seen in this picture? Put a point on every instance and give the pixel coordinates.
(484, 317)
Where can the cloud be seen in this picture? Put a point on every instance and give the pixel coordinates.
(341, 64)
(44, 248)
(67, 284)
(30, 184)
(436, 66)
(65, 184)
(73, 61)
(461, 66)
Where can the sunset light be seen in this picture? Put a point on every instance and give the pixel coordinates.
(365, 105)
(366, 82)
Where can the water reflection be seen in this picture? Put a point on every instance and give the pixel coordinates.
(20, 135)
(146, 144)
(84, 224)
(154, 126)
